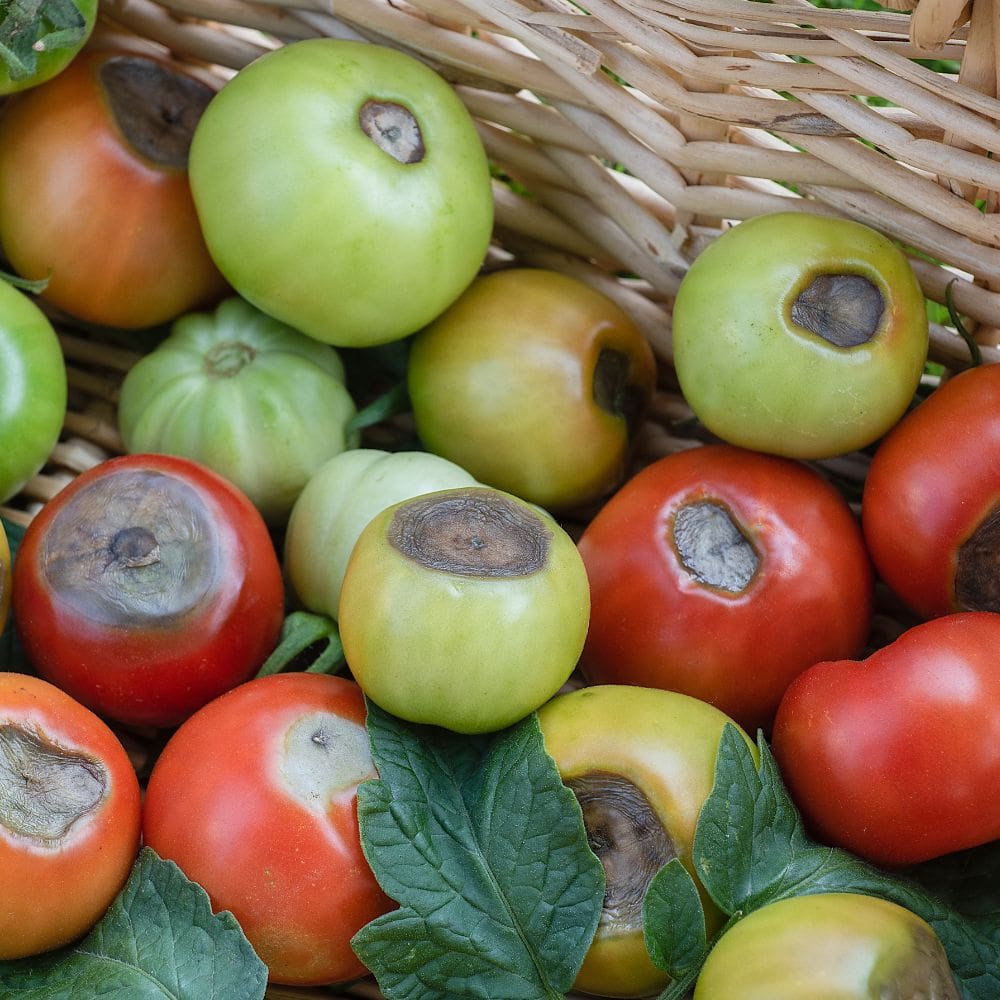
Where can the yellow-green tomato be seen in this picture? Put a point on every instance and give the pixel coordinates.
(342, 187)
(243, 393)
(829, 946)
(535, 383)
(342, 496)
(465, 608)
(800, 334)
(641, 762)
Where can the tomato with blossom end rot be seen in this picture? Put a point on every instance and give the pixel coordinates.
(722, 573)
(146, 587)
(69, 817)
(255, 798)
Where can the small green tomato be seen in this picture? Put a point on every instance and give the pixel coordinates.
(800, 335)
(466, 608)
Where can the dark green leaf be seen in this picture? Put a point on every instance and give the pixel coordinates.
(674, 922)
(392, 402)
(30, 26)
(485, 850)
(159, 939)
(751, 849)
(308, 642)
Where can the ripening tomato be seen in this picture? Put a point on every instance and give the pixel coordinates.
(69, 817)
(255, 798)
(94, 191)
(932, 499)
(722, 573)
(894, 757)
(146, 587)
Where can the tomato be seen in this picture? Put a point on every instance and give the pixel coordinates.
(33, 389)
(894, 757)
(464, 608)
(5, 578)
(39, 66)
(932, 496)
(146, 587)
(535, 383)
(722, 573)
(341, 498)
(94, 190)
(343, 188)
(800, 334)
(828, 946)
(69, 817)
(255, 798)
(641, 762)
(253, 399)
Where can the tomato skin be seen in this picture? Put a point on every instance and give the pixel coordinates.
(654, 625)
(5, 578)
(894, 757)
(136, 663)
(70, 182)
(292, 873)
(932, 481)
(54, 894)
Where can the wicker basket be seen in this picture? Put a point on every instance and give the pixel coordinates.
(627, 137)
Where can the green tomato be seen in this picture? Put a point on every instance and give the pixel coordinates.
(343, 188)
(828, 946)
(344, 494)
(237, 390)
(641, 762)
(465, 608)
(57, 52)
(799, 334)
(33, 389)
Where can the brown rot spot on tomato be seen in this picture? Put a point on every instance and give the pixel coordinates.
(44, 788)
(394, 129)
(323, 755)
(615, 392)
(922, 970)
(471, 532)
(712, 548)
(628, 839)
(977, 581)
(135, 547)
(155, 107)
(844, 309)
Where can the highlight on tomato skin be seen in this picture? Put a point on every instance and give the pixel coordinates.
(146, 587)
(86, 162)
(255, 798)
(68, 845)
(893, 757)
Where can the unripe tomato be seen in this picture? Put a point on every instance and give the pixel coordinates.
(828, 946)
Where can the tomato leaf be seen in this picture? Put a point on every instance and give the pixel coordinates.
(158, 940)
(28, 27)
(308, 642)
(485, 850)
(751, 849)
(672, 904)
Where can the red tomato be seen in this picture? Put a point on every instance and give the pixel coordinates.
(255, 798)
(146, 587)
(932, 499)
(69, 817)
(94, 188)
(722, 573)
(895, 757)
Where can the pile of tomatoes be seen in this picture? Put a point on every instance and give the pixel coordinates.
(325, 205)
